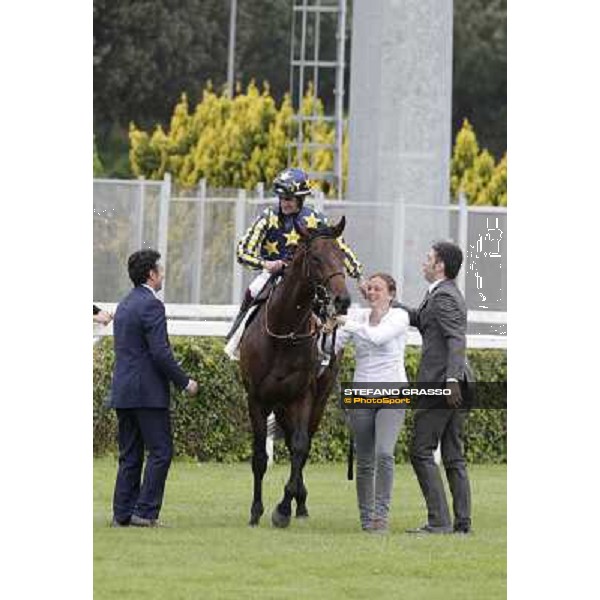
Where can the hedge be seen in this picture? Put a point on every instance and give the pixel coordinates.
(214, 425)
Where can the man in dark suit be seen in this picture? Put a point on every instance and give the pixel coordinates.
(442, 321)
(144, 366)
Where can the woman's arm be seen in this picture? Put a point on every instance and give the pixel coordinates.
(394, 325)
(341, 339)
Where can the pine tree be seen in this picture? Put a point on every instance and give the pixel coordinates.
(495, 193)
(474, 172)
(241, 141)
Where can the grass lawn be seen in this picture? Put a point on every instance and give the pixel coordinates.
(209, 551)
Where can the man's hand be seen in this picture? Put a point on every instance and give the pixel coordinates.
(274, 266)
(454, 400)
(103, 317)
(340, 320)
(192, 388)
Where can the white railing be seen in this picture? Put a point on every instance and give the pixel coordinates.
(183, 225)
(215, 320)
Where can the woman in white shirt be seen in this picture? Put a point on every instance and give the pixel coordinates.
(379, 338)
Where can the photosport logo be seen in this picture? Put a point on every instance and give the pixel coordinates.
(471, 395)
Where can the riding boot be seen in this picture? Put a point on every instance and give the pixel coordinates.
(246, 304)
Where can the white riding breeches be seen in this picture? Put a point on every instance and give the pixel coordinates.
(258, 283)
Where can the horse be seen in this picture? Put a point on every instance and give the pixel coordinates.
(279, 362)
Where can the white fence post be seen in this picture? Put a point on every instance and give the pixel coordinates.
(260, 191)
(240, 224)
(320, 201)
(463, 239)
(163, 223)
(199, 248)
(139, 239)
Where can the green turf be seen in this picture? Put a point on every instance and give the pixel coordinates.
(210, 552)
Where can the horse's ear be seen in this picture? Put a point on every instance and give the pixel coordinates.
(338, 228)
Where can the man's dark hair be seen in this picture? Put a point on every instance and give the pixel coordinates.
(451, 255)
(139, 265)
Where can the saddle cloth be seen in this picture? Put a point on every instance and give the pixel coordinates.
(232, 347)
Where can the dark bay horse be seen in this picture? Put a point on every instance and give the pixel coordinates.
(278, 362)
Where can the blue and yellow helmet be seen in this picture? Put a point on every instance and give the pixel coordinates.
(292, 183)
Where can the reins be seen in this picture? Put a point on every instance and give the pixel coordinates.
(320, 294)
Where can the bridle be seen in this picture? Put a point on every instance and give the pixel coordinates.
(321, 302)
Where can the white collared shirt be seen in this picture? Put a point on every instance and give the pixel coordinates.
(379, 348)
(151, 289)
(433, 285)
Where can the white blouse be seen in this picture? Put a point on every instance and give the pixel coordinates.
(379, 348)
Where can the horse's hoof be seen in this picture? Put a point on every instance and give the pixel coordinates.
(256, 512)
(301, 513)
(279, 520)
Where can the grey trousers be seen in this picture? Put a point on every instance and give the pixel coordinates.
(445, 426)
(375, 434)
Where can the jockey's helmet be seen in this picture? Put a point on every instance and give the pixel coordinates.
(292, 183)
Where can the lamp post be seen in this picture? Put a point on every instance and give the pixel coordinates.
(231, 51)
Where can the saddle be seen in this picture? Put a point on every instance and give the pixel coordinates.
(323, 356)
(266, 290)
(261, 298)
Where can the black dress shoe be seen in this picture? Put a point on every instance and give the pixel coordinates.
(141, 522)
(462, 526)
(115, 523)
(429, 529)
(463, 530)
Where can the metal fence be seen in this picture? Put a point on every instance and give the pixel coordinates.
(196, 232)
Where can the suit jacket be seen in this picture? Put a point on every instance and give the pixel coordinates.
(144, 362)
(442, 321)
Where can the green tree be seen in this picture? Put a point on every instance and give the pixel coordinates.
(495, 192)
(98, 168)
(474, 172)
(479, 73)
(241, 141)
(232, 142)
(148, 52)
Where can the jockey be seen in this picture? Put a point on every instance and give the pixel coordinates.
(268, 243)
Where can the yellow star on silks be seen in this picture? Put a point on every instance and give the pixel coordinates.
(273, 220)
(271, 247)
(311, 221)
(292, 237)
